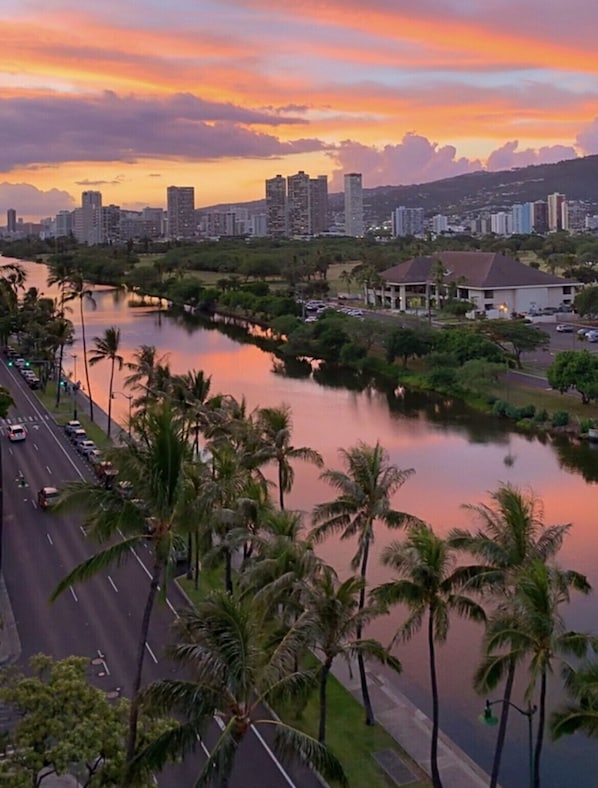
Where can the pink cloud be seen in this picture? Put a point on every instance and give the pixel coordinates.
(508, 156)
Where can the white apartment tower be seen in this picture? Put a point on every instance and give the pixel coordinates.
(180, 203)
(354, 225)
(299, 204)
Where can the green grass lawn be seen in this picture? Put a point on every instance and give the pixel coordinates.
(348, 737)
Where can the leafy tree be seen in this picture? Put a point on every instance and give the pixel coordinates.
(66, 726)
(430, 586)
(79, 290)
(586, 302)
(405, 343)
(6, 401)
(365, 490)
(106, 348)
(238, 661)
(516, 336)
(575, 369)
(466, 344)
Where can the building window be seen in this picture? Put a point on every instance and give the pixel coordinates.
(567, 290)
(489, 306)
(488, 293)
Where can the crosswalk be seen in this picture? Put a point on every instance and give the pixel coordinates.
(26, 420)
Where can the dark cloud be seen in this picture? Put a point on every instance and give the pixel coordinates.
(87, 182)
(414, 160)
(508, 156)
(28, 200)
(56, 129)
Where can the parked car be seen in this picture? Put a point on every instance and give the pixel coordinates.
(16, 432)
(106, 473)
(34, 382)
(72, 425)
(77, 435)
(563, 328)
(46, 497)
(85, 446)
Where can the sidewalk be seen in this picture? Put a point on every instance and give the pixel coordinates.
(412, 729)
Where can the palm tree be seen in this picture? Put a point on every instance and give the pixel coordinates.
(80, 291)
(190, 391)
(334, 618)
(144, 372)
(59, 273)
(429, 585)
(237, 662)
(534, 628)
(580, 714)
(107, 347)
(365, 490)
(512, 534)
(276, 426)
(155, 464)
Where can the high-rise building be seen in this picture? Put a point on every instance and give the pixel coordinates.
(276, 206)
(318, 204)
(87, 226)
(298, 204)
(439, 224)
(11, 220)
(500, 223)
(540, 217)
(407, 221)
(110, 224)
(63, 224)
(180, 204)
(354, 225)
(555, 211)
(522, 218)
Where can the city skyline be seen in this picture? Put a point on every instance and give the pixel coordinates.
(221, 97)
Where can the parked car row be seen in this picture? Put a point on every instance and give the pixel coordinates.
(24, 367)
(78, 437)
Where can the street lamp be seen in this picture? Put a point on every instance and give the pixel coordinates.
(488, 718)
(74, 386)
(130, 398)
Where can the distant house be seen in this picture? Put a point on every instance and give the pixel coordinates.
(497, 285)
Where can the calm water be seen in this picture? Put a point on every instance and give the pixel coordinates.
(457, 459)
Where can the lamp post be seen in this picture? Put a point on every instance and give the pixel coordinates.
(488, 718)
(130, 398)
(74, 385)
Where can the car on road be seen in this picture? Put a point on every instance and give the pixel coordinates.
(72, 425)
(46, 497)
(16, 432)
(592, 336)
(86, 446)
(77, 435)
(564, 328)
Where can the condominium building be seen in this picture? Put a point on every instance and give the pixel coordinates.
(555, 211)
(87, 220)
(180, 204)
(276, 206)
(298, 204)
(407, 221)
(11, 220)
(540, 217)
(522, 218)
(354, 225)
(318, 204)
(439, 224)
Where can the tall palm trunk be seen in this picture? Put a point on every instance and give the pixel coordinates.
(110, 387)
(84, 341)
(280, 487)
(436, 781)
(134, 710)
(323, 683)
(502, 726)
(365, 693)
(61, 354)
(540, 734)
(228, 571)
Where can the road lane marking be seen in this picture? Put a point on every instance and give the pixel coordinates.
(111, 581)
(202, 745)
(49, 469)
(151, 653)
(83, 531)
(73, 593)
(275, 760)
(171, 606)
(50, 539)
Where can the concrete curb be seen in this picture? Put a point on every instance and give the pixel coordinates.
(10, 643)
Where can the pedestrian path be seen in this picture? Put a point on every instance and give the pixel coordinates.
(411, 729)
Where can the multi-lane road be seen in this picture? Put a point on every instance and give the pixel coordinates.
(102, 618)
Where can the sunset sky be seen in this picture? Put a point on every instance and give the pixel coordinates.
(131, 97)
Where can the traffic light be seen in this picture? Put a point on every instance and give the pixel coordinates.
(27, 364)
(10, 362)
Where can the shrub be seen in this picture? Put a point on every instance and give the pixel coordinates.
(541, 416)
(560, 418)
